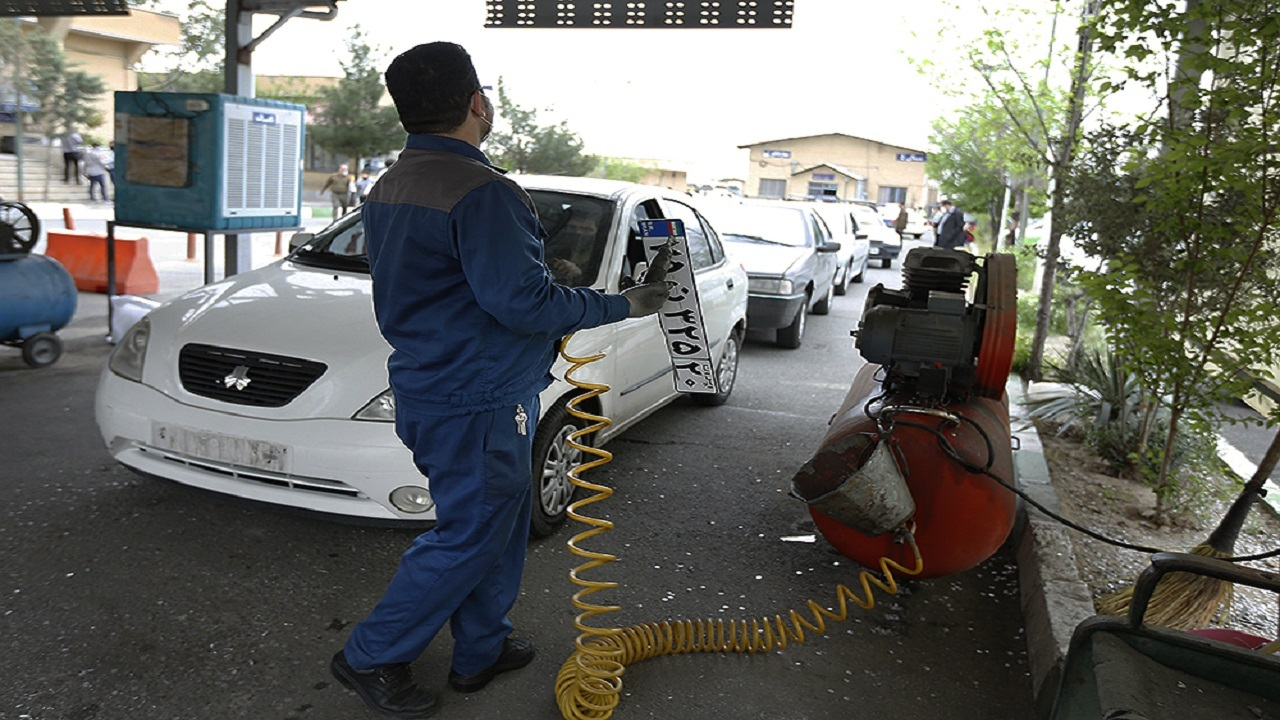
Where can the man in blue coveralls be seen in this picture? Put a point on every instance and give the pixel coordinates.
(462, 294)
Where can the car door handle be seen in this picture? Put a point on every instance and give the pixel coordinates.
(729, 283)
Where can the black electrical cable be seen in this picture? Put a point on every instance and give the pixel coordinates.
(951, 452)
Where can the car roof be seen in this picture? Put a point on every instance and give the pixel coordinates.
(588, 186)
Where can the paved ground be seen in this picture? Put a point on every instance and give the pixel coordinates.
(131, 597)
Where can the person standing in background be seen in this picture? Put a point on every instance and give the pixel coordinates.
(71, 155)
(341, 189)
(95, 170)
(950, 230)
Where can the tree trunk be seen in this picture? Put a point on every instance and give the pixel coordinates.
(1060, 166)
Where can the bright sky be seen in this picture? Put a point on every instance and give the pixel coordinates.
(683, 96)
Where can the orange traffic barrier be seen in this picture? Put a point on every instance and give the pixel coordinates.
(67, 220)
(84, 255)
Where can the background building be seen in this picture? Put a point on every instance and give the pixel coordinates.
(836, 166)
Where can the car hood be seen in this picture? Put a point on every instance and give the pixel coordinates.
(285, 309)
(763, 259)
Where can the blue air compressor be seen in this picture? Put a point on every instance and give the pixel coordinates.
(207, 161)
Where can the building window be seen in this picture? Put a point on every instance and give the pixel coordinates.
(773, 188)
(822, 190)
(893, 195)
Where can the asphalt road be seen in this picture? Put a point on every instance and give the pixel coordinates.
(131, 597)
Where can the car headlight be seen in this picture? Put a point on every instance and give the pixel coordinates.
(379, 409)
(131, 352)
(770, 286)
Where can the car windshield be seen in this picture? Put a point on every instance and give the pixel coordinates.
(866, 216)
(770, 225)
(338, 247)
(577, 230)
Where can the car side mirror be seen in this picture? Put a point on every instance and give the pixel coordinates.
(830, 246)
(300, 239)
(860, 236)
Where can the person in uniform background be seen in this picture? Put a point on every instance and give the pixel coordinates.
(341, 187)
(463, 296)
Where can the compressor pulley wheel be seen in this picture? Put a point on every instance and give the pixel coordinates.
(19, 229)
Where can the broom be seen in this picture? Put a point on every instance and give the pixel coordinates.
(1184, 601)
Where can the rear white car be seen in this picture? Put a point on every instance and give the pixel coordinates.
(855, 247)
(886, 245)
(272, 385)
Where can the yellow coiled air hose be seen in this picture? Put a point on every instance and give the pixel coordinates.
(590, 681)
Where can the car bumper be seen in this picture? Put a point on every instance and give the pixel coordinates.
(880, 251)
(770, 312)
(330, 466)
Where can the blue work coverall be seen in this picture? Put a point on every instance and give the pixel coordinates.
(462, 294)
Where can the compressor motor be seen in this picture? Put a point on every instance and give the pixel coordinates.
(927, 335)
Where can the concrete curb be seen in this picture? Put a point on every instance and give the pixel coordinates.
(1054, 598)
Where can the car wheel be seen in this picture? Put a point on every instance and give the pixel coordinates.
(726, 373)
(842, 282)
(823, 306)
(553, 458)
(790, 336)
(41, 350)
(886, 262)
(862, 274)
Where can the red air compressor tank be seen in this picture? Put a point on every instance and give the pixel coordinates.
(915, 438)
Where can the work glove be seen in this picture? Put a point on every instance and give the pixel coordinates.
(648, 298)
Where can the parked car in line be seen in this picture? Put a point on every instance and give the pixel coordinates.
(855, 248)
(272, 385)
(885, 243)
(916, 226)
(790, 258)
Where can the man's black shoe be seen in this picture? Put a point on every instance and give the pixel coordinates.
(388, 690)
(516, 653)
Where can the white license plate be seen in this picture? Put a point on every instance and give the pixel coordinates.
(219, 448)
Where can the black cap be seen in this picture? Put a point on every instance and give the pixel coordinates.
(432, 85)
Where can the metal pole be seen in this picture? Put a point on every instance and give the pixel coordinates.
(111, 272)
(19, 141)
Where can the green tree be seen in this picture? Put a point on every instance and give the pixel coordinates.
(620, 169)
(519, 143)
(195, 65)
(36, 70)
(350, 119)
(1182, 203)
(975, 164)
(1042, 94)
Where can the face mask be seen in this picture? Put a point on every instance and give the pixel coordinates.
(488, 118)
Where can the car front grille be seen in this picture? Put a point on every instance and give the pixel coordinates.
(245, 377)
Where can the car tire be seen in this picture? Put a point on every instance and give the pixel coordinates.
(553, 458)
(823, 306)
(842, 283)
(886, 262)
(41, 350)
(792, 335)
(862, 274)
(726, 373)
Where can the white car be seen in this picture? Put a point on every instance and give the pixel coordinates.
(272, 385)
(886, 245)
(855, 248)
